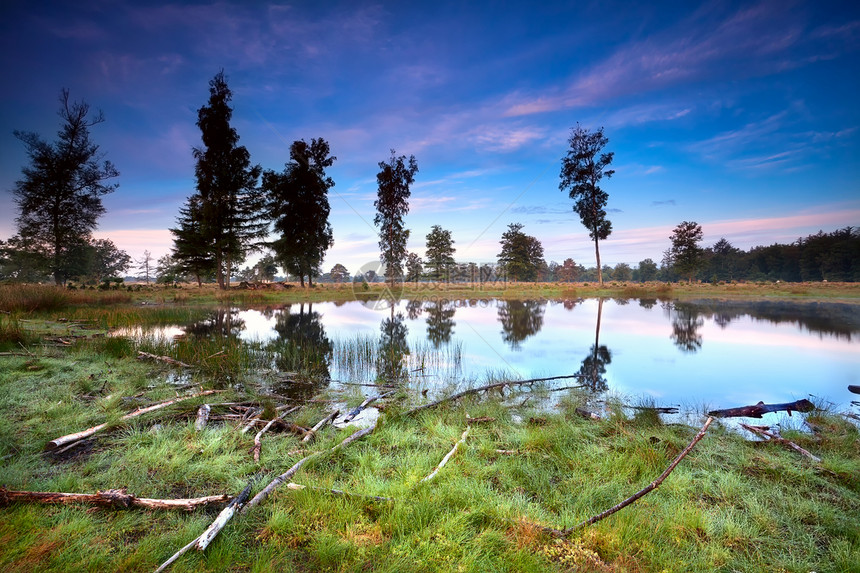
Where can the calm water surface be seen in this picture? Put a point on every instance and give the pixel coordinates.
(712, 353)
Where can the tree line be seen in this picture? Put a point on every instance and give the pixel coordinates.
(238, 208)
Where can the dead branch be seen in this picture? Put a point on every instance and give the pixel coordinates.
(854, 389)
(284, 477)
(258, 444)
(146, 355)
(205, 538)
(114, 498)
(480, 420)
(771, 437)
(641, 493)
(587, 414)
(448, 455)
(310, 435)
(757, 410)
(357, 410)
(488, 387)
(63, 440)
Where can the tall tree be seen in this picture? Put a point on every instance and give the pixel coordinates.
(440, 252)
(687, 256)
(339, 273)
(647, 270)
(59, 196)
(522, 255)
(298, 204)
(232, 206)
(392, 204)
(581, 171)
(568, 271)
(414, 267)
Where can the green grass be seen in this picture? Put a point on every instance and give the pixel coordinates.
(731, 505)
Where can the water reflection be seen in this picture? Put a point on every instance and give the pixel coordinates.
(593, 369)
(302, 344)
(686, 323)
(440, 322)
(393, 348)
(222, 322)
(520, 319)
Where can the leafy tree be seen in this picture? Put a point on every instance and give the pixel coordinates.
(686, 254)
(167, 270)
(568, 271)
(298, 204)
(440, 322)
(440, 252)
(231, 205)
(414, 267)
(59, 195)
(23, 262)
(581, 171)
(191, 251)
(107, 260)
(522, 255)
(622, 272)
(392, 204)
(145, 266)
(339, 273)
(520, 319)
(393, 348)
(647, 270)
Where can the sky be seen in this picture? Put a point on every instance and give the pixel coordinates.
(741, 116)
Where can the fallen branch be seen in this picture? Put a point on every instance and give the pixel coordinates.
(56, 443)
(205, 538)
(448, 455)
(771, 437)
(854, 389)
(757, 410)
(114, 498)
(641, 493)
(310, 435)
(480, 420)
(658, 409)
(587, 414)
(488, 387)
(357, 410)
(284, 477)
(258, 443)
(141, 355)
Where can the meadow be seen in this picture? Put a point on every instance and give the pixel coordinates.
(732, 504)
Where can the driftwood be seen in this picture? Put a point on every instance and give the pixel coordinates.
(205, 538)
(202, 417)
(115, 498)
(762, 431)
(357, 410)
(448, 455)
(488, 387)
(63, 440)
(658, 409)
(854, 389)
(641, 493)
(757, 410)
(284, 477)
(141, 355)
(313, 432)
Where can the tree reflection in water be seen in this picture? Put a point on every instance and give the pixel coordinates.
(685, 328)
(390, 367)
(593, 367)
(302, 345)
(222, 322)
(520, 319)
(440, 322)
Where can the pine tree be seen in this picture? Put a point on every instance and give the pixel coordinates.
(392, 204)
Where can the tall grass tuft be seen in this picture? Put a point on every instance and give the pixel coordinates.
(32, 298)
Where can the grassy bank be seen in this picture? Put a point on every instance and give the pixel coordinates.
(35, 298)
(732, 504)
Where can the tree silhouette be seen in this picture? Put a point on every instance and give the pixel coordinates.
(392, 349)
(581, 171)
(522, 255)
(302, 345)
(593, 367)
(299, 207)
(59, 195)
(440, 252)
(687, 256)
(440, 322)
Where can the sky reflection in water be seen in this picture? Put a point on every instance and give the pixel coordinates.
(719, 354)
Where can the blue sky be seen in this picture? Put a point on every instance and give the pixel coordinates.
(742, 116)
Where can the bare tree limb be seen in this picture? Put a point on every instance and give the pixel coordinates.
(56, 443)
(448, 455)
(771, 437)
(114, 498)
(310, 435)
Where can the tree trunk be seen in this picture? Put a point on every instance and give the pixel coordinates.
(599, 268)
(757, 410)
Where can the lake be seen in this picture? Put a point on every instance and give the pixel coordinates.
(698, 354)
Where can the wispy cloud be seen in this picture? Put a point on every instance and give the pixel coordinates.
(664, 203)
